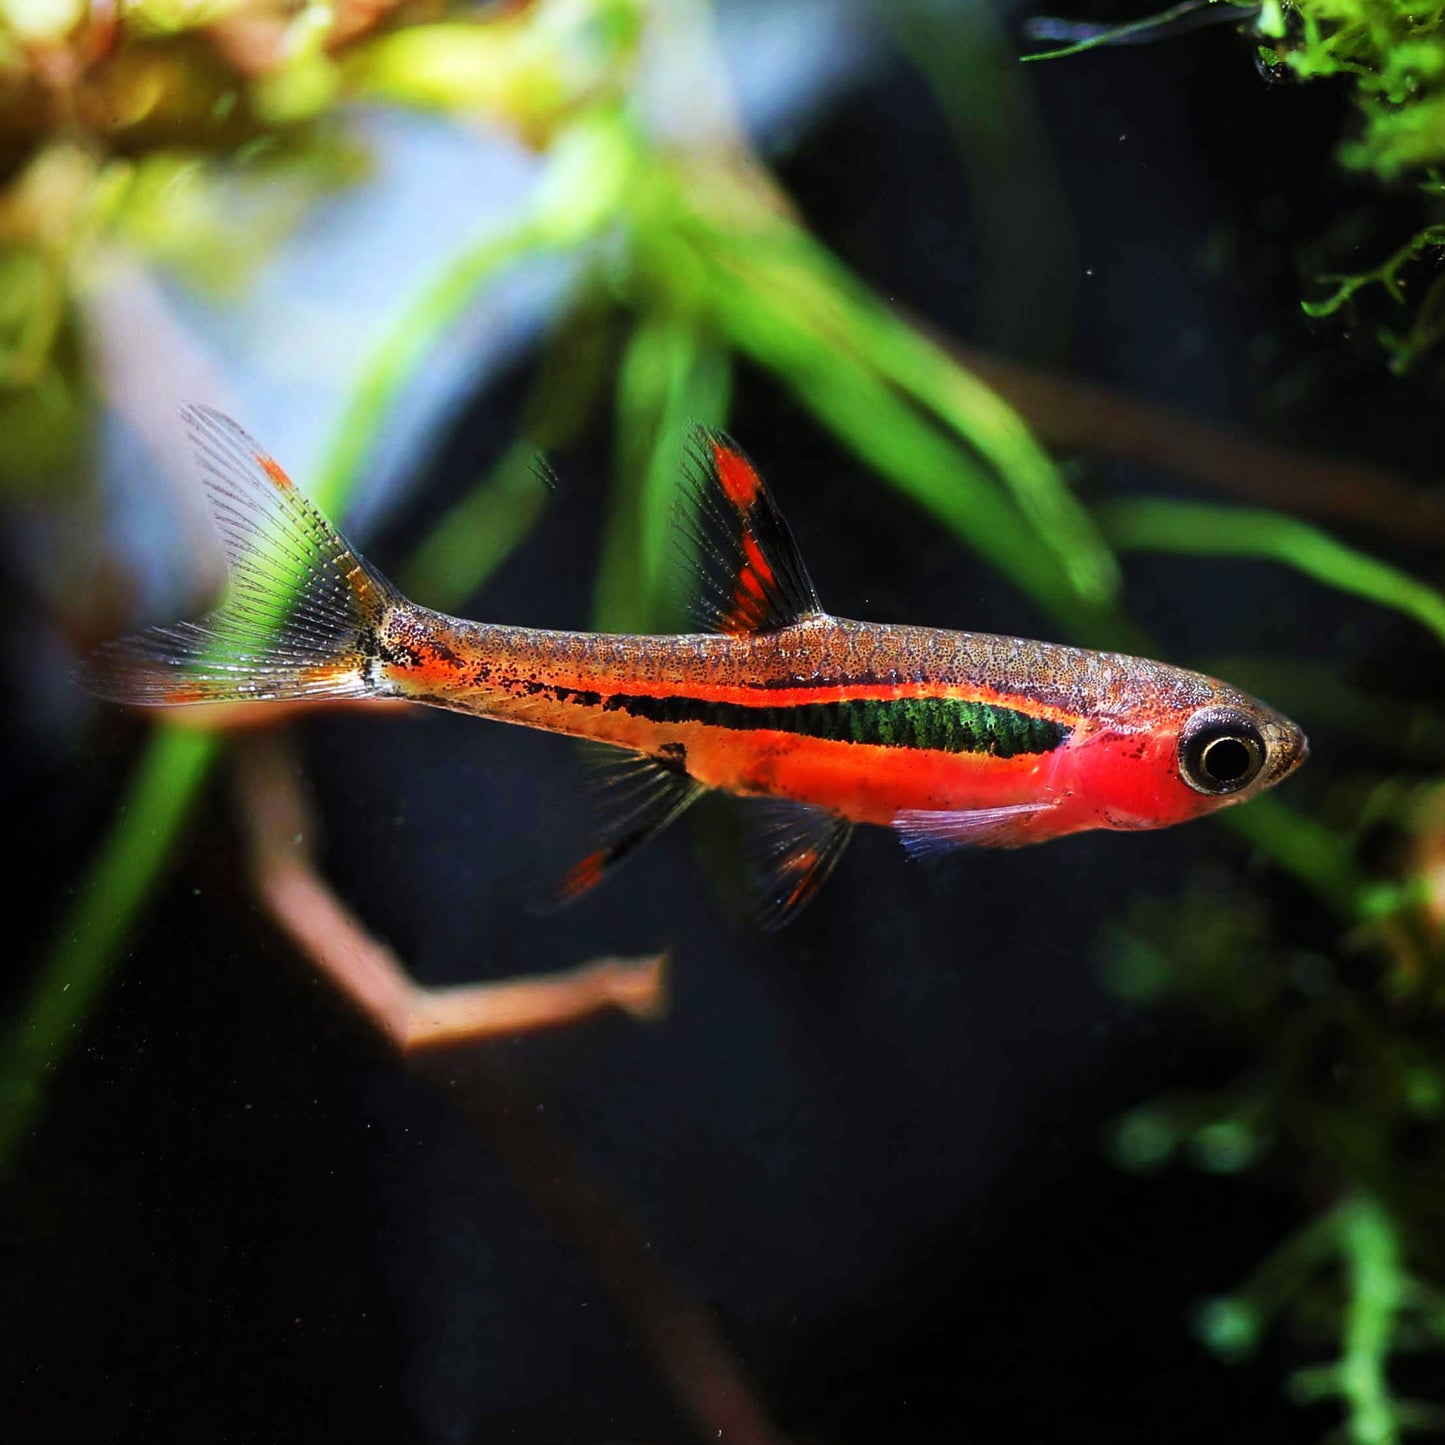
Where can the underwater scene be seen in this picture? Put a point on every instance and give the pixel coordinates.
(947, 498)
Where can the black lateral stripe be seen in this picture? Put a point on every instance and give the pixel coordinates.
(931, 724)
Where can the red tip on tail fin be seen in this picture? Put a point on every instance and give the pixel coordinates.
(299, 609)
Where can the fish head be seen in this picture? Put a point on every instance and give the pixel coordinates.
(1195, 746)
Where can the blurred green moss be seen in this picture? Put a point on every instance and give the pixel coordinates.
(1390, 56)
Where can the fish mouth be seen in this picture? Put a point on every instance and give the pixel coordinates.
(1294, 749)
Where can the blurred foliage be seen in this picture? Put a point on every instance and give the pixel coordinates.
(149, 129)
(1390, 54)
(1343, 1098)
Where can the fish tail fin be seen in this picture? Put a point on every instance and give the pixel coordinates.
(301, 611)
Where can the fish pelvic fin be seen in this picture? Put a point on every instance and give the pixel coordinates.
(301, 610)
(635, 797)
(794, 849)
(744, 570)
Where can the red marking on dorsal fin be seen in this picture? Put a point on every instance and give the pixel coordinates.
(736, 474)
(750, 576)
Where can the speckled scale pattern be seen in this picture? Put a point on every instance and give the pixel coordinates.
(491, 665)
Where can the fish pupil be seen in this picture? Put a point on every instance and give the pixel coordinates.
(1227, 760)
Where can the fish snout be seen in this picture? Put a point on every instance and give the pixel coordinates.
(1287, 747)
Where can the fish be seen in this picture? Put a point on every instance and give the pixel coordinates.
(952, 739)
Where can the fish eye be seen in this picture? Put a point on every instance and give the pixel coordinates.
(1220, 751)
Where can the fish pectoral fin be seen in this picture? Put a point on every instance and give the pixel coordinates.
(926, 834)
(745, 572)
(635, 797)
(795, 846)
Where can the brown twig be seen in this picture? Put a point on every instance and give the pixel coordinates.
(681, 1336)
(1076, 414)
(683, 1339)
(248, 717)
(412, 1018)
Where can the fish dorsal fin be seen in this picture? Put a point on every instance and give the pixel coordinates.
(926, 834)
(634, 797)
(746, 572)
(795, 846)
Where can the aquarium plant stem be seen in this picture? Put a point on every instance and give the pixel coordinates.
(1160, 525)
(156, 804)
(1372, 1254)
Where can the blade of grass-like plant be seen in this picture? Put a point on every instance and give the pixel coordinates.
(1080, 416)
(1160, 525)
(175, 763)
(150, 816)
(926, 373)
(482, 529)
(1016, 202)
(786, 271)
(892, 438)
(466, 546)
(1308, 851)
(1188, 15)
(670, 376)
(408, 345)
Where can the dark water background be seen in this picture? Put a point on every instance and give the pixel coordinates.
(871, 1143)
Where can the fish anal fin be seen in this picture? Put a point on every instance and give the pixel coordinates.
(634, 797)
(926, 834)
(747, 574)
(795, 846)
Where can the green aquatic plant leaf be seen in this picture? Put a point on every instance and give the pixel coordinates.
(1158, 525)
(153, 810)
(798, 283)
(838, 350)
(1187, 15)
(671, 376)
(177, 760)
(1305, 849)
(473, 537)
(440, 304)
(1386, 275)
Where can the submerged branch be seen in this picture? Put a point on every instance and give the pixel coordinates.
(1076, 414)
(682, 1337)
(368, 975)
